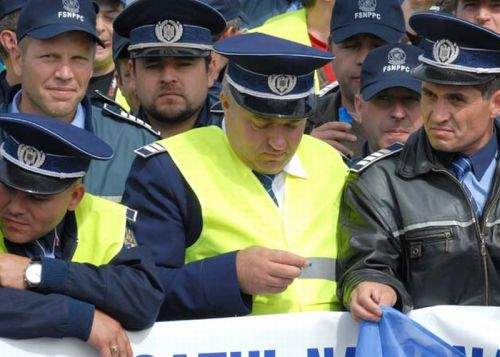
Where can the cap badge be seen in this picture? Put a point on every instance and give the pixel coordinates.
(396, 56)
(169, 31)
(30, 156)
(367, 5)
(445, 51)
(282, 84)
(71, 6)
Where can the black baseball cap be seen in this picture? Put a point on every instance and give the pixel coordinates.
(45, 19)
(381, 18)
(388, 67)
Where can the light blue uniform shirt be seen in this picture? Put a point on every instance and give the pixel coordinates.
(480, 179)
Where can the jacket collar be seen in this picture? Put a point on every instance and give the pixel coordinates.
(418, 157)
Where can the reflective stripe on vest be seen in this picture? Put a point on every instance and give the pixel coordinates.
(319, 268)
(101, 230)
(237, 212)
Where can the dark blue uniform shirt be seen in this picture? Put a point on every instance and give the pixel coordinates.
(63, 305)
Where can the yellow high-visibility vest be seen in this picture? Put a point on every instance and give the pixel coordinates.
(101, 226)
(237, 212)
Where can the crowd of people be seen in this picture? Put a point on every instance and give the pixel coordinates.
(162, 161)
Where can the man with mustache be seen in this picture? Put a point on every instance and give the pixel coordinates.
(420, 223)
(69, 262)
(55, 59)
(388, 104)
(242, 218)
(171, 64)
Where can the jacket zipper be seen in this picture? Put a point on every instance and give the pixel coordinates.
(483, 240)
(479, 231)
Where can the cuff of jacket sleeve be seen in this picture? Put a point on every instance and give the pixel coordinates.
(222, 288)
(80, 319)
(54, 274)
(403, 303)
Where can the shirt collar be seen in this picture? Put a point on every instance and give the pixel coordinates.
(481, 160)
(78, 120)
(294, 166)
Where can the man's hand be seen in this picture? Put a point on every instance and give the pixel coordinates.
(267, 271)
(334, 133)
(366, 300)
(12, 268)
(109, 337)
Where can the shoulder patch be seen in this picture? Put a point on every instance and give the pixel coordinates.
(116, 112)
(150, 150)
(376, 156)
(328, 89)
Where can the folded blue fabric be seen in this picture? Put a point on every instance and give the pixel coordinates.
(396, 335)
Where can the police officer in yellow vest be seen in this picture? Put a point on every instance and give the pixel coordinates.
(241, 218)
(69, 262)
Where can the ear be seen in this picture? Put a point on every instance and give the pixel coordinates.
(8, 40)
(495, 104)
(213, 73)
(76, 196)
(16, 59)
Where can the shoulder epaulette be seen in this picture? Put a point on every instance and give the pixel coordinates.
(150, 150)
(328, 89)
(216, 108)
(117, 112)
(98, 95)
(376, 156)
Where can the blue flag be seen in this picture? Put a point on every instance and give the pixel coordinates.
(396, 335)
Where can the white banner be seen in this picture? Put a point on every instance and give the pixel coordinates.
(476, 329)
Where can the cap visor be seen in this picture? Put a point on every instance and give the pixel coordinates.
(438, 75)
(386, 33)
(373, 89)
(23, 180)
(50, 31)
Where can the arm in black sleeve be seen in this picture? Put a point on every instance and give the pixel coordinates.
(168, 222)
(25, 314)
(126, 289)
(367, 250)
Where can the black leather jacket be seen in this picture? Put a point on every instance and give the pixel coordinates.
(407, 222)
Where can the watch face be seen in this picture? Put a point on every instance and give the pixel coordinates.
(34, 273)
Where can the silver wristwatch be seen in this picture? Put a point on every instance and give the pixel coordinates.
(33, 274)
